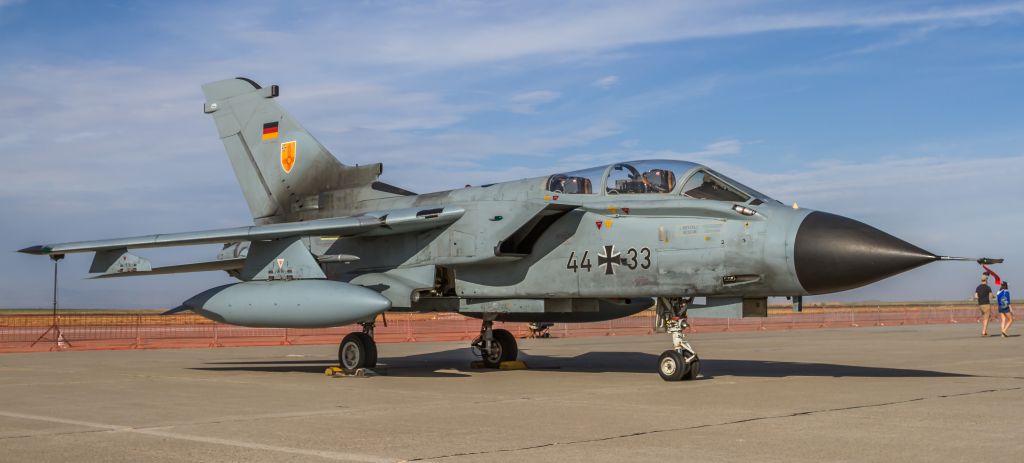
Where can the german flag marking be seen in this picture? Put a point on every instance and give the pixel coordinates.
(270, 130)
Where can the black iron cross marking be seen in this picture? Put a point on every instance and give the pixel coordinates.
(608, 259)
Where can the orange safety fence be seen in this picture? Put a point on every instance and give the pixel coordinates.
(29, 332)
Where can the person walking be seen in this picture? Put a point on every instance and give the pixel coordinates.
(983, 294)
(1005, 309)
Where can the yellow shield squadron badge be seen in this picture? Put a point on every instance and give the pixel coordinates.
(287, 156)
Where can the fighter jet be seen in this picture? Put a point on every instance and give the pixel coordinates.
(332, 245)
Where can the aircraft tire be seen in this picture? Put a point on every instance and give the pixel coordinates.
(671, 366)
(508, 350)
(356, 351)
(371, 350)
(509, 347)
(694, 369)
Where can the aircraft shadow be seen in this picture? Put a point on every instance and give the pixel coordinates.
(637, 362)
(455, 363)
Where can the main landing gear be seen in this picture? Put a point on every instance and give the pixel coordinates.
(358, 350)
(681, 362)
(495, 345)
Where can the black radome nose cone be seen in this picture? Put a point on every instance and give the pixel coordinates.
(833, 253)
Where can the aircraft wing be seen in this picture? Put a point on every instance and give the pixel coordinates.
(377, 223)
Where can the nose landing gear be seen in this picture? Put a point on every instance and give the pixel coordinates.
(495, 345)
(681, 362)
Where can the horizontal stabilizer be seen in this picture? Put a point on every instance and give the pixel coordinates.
(226, 265)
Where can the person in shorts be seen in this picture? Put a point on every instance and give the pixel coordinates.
(1005, 309)
(983, 294)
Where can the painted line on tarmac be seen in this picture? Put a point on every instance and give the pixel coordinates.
(159, 432)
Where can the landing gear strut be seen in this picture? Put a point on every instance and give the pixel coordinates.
(495, 345)
(681, 362)
(358, 350)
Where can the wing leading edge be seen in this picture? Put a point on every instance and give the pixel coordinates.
(370, 224)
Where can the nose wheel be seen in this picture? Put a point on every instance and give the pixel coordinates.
(358, 350)
(678, 366)
(681, 362)
(495, 345)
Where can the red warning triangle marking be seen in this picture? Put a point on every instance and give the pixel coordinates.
(599, 223)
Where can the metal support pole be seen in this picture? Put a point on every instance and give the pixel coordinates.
(798, 303)
(55, 291)
(58, 337)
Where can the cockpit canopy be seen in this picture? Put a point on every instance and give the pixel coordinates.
(652, 177)
(570, 184)
(703, 185)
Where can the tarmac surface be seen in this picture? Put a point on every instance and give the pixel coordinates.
(912, 393)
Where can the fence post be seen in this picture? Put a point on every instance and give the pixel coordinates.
(216, 340)
(408, 330)
(138, 332)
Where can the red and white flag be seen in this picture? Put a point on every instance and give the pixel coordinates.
(999, 281)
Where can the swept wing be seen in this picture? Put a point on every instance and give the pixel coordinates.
(374, 223)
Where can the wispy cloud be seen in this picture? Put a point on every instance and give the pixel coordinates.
(409, 153)
(430, 35)
(606, 82)
(902, 39)
(527, 102)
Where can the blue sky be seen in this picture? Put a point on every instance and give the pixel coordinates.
(905, 115)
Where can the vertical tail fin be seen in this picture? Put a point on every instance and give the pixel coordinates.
(281, 168)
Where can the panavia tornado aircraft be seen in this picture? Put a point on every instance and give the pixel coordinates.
(332, 245)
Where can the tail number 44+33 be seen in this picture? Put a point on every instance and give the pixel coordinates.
(608, 259)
